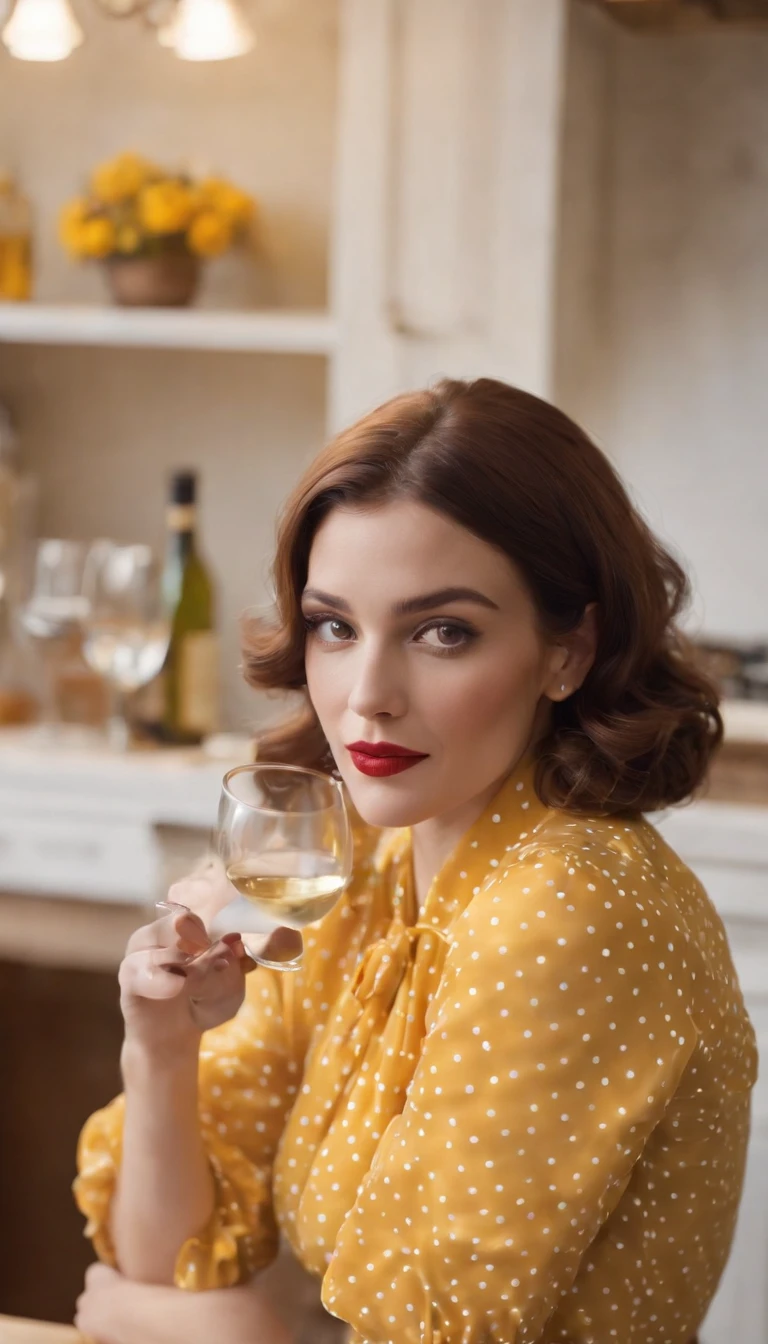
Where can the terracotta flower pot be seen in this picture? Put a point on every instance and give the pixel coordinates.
(167, 281)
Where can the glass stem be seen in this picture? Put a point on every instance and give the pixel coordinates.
(49, 702)
(118, 732)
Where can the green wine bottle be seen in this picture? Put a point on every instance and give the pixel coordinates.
(190, 677)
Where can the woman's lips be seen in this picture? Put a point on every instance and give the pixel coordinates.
(381, 767)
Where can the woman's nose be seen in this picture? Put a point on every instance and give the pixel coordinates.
(378, 687)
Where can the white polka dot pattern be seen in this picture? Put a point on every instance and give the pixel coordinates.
(523, 1111)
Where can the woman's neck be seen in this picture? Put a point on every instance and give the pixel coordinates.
(435, 840)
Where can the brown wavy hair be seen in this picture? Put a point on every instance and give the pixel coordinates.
(522, 476)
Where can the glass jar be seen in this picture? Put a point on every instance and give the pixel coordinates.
(15, 243)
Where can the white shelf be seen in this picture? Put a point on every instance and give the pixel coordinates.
(272, 331)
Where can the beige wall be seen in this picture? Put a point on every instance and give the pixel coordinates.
(103, 427)
(663, 294)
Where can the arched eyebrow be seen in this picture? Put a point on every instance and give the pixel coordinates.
(412, 605)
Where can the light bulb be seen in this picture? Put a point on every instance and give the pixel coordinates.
(42, 30)
(207, 30)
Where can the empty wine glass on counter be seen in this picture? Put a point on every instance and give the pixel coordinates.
(125, 630)
(286, 844)
(51, 615)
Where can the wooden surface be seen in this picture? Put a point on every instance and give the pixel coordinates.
(14, 1330)
(58, 931)
(684, 13)
(60, 1036)
(739, 774)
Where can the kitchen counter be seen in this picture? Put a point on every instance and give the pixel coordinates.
(96, 825)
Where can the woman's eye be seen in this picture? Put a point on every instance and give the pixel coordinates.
(446, 636)
(328, 628)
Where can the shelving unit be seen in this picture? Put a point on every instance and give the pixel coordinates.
(271, 331)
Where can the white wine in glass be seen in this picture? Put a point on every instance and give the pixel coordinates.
(285, 841)
(297, 894)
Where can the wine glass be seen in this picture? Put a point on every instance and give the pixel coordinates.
(286, 844)
(51, 613)
(125, 630)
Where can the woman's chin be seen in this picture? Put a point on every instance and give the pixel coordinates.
(387, 803)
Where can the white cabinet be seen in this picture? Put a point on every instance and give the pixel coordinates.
(100, 827)
(445, 229)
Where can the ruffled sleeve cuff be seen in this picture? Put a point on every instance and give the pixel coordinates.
(98, 1161)
(241, 1235)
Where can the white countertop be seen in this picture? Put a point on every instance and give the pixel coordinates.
(172, 786)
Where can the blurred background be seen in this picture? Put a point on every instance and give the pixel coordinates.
(228, 227)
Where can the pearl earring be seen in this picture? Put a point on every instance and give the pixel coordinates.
(563, 688)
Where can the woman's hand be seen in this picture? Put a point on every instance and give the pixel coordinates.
(185, 973)
(175, 983)
(112, 1310)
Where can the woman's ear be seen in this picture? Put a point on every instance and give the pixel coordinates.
(573, 655)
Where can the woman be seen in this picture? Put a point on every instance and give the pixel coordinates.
(513, 1103)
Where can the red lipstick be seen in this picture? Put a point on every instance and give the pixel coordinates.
(381, 759)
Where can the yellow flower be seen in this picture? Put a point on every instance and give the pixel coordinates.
(98, 238)
(236, 205)
(165, 207)
(128, 239)
(120, 179)
(209, 234)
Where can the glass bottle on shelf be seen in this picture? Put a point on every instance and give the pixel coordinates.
(181, 707)
(15, 243)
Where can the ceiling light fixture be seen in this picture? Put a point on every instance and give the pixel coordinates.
(207, 30)
(197, 30)
(42, 30)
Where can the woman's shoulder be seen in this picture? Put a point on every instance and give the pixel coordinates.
(609, 844)
(612, 871)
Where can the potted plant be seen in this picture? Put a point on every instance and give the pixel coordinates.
(152, 229)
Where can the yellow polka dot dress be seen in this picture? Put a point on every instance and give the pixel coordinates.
(517, 1116)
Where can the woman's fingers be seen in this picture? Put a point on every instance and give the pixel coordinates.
(98, 1275)
(162, 972)
(179, 928)
(284, 945)
(158, 973)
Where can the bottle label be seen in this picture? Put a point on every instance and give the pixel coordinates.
(181, 517)
(198, 682)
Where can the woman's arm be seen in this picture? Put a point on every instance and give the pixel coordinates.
(175, 1176)
(113, 1310)
(166, 1190)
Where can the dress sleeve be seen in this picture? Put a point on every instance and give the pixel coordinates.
(556, 1040)
(248, 1079)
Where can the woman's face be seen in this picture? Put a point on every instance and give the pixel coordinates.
(423, 637)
